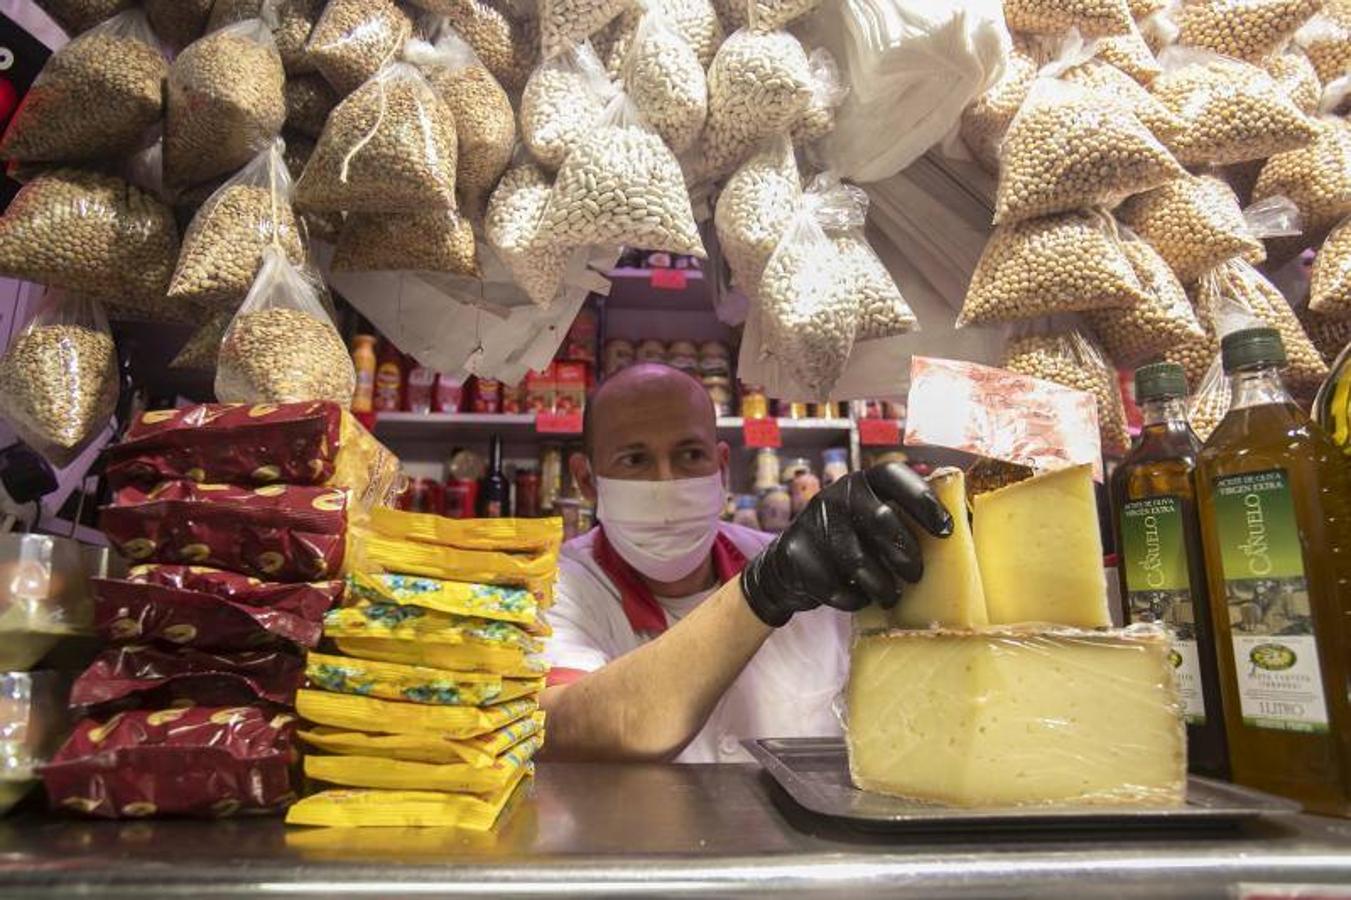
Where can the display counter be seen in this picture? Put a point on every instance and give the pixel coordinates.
(615, 830)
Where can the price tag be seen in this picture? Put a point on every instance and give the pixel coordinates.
(669, 279)
(558, 423)
(879, 432)
(762, 433)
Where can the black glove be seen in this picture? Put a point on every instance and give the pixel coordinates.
(849, 547)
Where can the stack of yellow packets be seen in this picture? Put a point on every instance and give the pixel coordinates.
(427, 711)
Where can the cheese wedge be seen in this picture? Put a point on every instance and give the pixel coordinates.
(1040, 551)
(1004, 718)
(949, 593)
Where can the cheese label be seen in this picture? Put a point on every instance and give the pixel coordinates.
(1280, 684)
(1158, 587)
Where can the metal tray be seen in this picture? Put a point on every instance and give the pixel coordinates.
(814, 772)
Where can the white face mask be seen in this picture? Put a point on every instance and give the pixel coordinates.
(664, 529)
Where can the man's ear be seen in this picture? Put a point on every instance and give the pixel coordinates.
(725, 463)
(585, 479)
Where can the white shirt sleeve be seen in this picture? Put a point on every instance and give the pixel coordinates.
(577, 641)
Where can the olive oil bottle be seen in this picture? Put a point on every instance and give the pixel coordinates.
(1161, 564)
(1332, 406)
(1274, 496)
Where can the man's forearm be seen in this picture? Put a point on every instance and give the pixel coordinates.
(650, 703)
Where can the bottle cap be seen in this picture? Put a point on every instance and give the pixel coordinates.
(1158, 381)
(1252, 347)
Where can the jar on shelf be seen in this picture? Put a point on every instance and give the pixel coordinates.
(766, 468)
(824, 410)
(774, 509)
(683, 355)
(745, 514)
(867, 409)
(651, 351)
(485, 396)
(834, 465)
(754, 402)
(619, 355)
(794, 410)
(720, 392)
(527, 492)
(792, 467)
(550, 476)
(715, 360)
(804, 486)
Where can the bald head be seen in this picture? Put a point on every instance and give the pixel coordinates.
(651, 422)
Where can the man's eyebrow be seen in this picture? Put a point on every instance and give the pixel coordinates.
(635, 445)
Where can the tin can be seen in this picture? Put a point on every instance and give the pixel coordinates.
(424, 495)
(527, 493)
(461, 498)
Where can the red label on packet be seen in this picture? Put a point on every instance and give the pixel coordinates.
(559, 422)
(669, 279)
(879, 432)
(762, 433)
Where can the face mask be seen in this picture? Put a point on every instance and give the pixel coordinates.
(664, 529)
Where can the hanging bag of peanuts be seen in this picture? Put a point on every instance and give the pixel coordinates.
(96, 97)
(621, 185)
(563, 100)
(1250, 30)
(281, 347)
(1232, 111)
(225, 103)
(565, 23)
(58, 379)
(1062, 263)
(1316, 177)
(1070, 148)
(309, 102)
(389, 147)
(1330, 283)
(663, 77)
(508, 46)
(354, 39)
(295, 21)
(178, 22)
(95, 234)
(754, 210)
(1093, 18)
(1135, 334)
(78, 16)
(224, 244)
(1195, 223)
(1065, 353)
(485, 124)
(433, 240)
(512, 229)
(1238, 282)
(758, 86)
(842, 211)
(806, 304)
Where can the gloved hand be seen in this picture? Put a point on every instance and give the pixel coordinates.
(849, 547)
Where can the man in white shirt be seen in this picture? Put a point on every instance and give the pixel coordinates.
(676, 636)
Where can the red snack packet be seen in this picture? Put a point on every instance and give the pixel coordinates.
(196, 761)
(278, 532)
(294, 443)
(128, 611)
(148, 677)
(238, 588)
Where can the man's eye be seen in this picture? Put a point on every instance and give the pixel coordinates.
(695, 455)
(631, 459)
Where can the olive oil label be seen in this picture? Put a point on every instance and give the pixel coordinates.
(1158, 586)
(1280, 685)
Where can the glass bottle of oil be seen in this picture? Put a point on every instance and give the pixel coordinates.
(1274, 496)
(1161, 565)
(1332, 406)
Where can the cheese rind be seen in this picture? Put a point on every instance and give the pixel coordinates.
(1040, 551)
(949, 594)
(1004, 717)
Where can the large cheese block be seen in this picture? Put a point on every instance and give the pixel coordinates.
(949, 593)
(1040, 551)
(1006, 717)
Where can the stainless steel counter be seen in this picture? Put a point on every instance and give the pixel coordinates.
(597, 831)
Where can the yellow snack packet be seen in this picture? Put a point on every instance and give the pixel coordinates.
(486, 601)
(509, 662)
(397, 775)
(414, 623)
(536, 535)
(414, 684)
(480, 751)
(401, 809)
(369, 551)
(366, 467)
(394, 717)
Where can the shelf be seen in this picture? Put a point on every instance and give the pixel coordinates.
(396, 428)
(633, 289)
